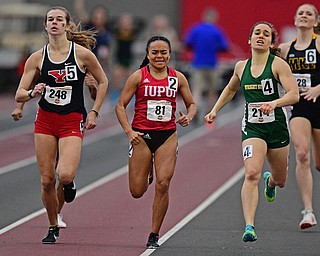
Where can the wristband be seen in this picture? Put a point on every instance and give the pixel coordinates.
(30, 94)
(96, 112)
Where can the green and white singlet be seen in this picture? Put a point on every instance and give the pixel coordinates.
(272, 128)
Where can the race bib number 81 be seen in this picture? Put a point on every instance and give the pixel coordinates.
(159, 110)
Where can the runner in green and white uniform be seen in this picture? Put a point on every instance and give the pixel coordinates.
(263, 78)
(273, 127)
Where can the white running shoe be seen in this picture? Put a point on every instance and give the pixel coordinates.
(61, 223)
(309, 220)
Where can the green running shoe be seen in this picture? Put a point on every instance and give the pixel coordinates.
(249, 234)
(269, 193)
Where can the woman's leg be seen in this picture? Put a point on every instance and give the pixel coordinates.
(278, 160)
(46, 148)
(301, 135)
(164, 162)
(254, 151)
(69, 158)
(316, 148)
(140, 158)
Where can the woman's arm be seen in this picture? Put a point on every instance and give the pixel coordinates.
(126, 95)
(283, 73)
(88, 61)
(92, 84)
(284, 49)
(91, 63)
(186, 95)
(228, 92)
(31, 71)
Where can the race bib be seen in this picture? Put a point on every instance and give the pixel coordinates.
(58, 95)
(255, 115)
(303, 80)
(311, 56)
(159, 110)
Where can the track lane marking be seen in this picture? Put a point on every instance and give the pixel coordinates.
(206, 203)
(223, 120)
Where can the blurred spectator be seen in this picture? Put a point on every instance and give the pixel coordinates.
(125, 30)
(206, 40)
(98, 20)
(25, 55)
(160, 26)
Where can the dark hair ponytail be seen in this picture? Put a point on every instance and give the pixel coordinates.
(151, 40)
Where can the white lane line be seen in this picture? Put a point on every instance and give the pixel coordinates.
(213, 197)
(103, 134)
(81, 192)
(189, 137)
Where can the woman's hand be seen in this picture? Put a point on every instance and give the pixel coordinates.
(210, 117)
(183, 120)
(267, 107)
(311, 93)
(134, 137)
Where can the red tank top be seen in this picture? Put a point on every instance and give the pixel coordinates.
(155, 103)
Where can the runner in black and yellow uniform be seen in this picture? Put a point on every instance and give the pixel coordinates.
(303, 56)
(263, 78)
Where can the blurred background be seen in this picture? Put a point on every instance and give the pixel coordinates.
(21, 24)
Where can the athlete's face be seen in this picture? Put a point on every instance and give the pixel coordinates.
(158, 54)
(305, 17)
(261, 37)
(56, 22)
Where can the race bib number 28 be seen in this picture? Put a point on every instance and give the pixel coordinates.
(303, 80)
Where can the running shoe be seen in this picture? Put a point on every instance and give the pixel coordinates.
(52, 236)
(150, 177)
(249, 234)
(69, 191)
(269, 193)
(309, 220)
(61, 223)
(153, 241)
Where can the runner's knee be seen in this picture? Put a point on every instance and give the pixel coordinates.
(252, 175)
(303, 157)
(138, 191)
(66, 178)
(48, 182)
(162, 187)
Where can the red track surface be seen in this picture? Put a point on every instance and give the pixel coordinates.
(107, 221)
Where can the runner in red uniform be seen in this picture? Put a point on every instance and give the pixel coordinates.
(91, 83)
(153, 130)
(61, 67)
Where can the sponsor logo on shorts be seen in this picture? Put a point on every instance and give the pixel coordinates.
(146, 136)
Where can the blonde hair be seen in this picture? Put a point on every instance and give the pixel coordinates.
(316, 29)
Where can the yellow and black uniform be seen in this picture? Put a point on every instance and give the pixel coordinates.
(272, 128)
(305, 66)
